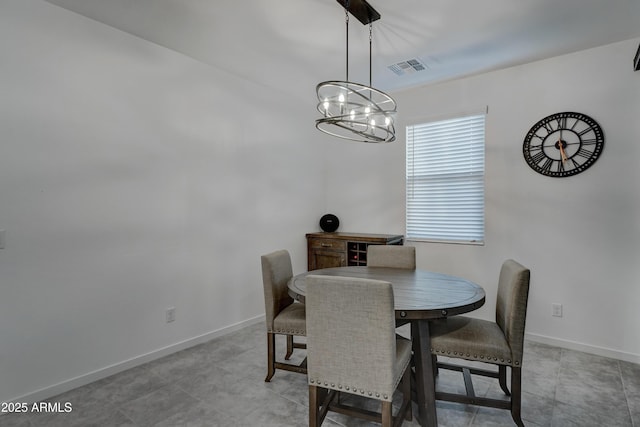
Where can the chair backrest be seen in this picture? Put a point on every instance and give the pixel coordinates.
(391, 256)
(276, 272)
(351, 343)
(511, 305)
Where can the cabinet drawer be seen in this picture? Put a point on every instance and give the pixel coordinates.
(338, 245)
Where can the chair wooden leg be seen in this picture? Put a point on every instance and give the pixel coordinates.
(289, 347)
(406, 393)
(434, 361)
(502, 378)
(314, 404)
(271, 358)
(387, 421)
(516, 396)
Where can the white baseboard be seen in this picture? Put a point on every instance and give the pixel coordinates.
(586, 348)
(90, 377)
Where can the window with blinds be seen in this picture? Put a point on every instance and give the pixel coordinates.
(445, 180)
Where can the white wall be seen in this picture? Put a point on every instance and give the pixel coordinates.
(132, 179)
(579, 235)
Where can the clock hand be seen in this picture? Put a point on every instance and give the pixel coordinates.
(563, 155)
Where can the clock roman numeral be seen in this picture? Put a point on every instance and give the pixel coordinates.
(587, 130)
(575, 164)
(584, 153)
(575, 124)
(537, 158)
(548, 128)
(560, 167)
(546, 166)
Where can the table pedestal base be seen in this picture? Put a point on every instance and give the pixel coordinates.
(425, 381)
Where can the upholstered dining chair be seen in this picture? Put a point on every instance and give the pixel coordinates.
(352, 349)
(391, 256)
(283, 315)
(394, 256)
(498, 343)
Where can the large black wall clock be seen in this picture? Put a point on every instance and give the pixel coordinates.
(563, 144)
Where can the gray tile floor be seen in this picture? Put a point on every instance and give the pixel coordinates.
(221, 383)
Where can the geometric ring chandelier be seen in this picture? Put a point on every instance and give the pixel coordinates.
(354, 111)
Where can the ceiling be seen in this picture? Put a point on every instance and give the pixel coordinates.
(294, 44)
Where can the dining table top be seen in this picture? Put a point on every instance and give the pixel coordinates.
(418, 294)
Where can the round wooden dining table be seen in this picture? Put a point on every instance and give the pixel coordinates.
(420, 296)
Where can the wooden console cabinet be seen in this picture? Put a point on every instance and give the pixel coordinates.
(326, 250)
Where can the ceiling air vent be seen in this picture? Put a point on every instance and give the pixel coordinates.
(409, 66)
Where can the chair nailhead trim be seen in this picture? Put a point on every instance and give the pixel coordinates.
(287, 332)
(475, 356)
(347, 388)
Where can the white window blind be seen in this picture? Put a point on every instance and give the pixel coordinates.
(445, 180)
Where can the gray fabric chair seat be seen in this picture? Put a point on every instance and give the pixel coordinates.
(291, 321)
(471, 339)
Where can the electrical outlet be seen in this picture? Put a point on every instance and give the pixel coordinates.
(556, 310)
(170, 314)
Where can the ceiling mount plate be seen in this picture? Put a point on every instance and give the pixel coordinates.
(362, 10)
